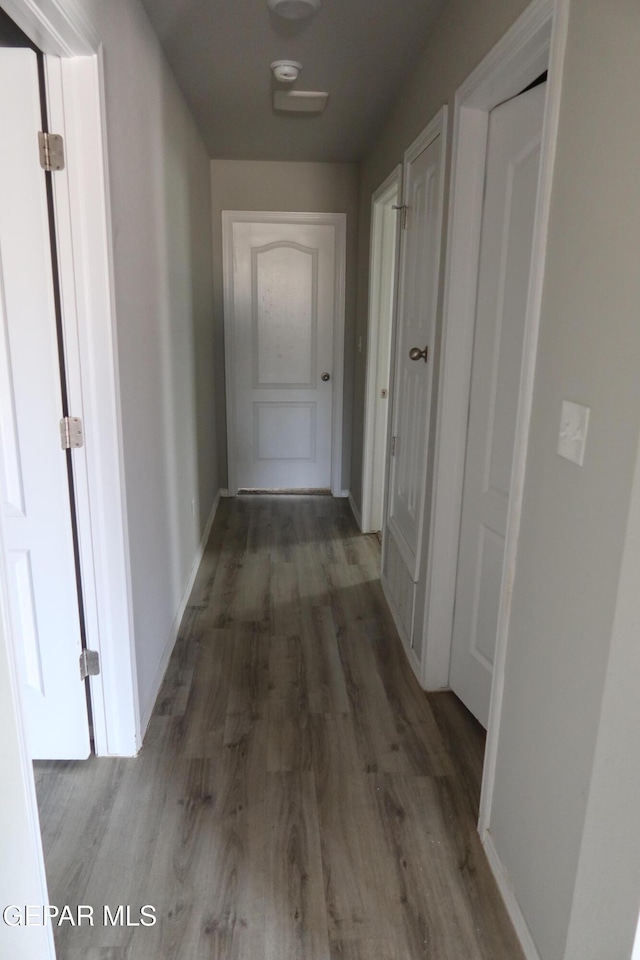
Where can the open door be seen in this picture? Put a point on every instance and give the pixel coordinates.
(35, 473)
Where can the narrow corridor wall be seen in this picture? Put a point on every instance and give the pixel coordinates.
(564, 817)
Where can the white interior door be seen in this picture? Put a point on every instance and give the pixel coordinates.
(513, 159)
(385, 234)
(419, 262)
(36, 505)
(411, 399)
(282, 305)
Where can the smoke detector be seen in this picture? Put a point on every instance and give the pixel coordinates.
(286, 71)
(294, 9)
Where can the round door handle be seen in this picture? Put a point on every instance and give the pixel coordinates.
(325, 377)
(417, 354)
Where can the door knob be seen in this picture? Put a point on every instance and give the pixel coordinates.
(417, 354)
(325, 377)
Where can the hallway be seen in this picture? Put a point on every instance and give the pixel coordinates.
(298, 797)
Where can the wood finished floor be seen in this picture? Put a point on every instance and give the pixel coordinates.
(298, 797)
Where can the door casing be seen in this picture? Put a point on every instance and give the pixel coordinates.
(339, 222)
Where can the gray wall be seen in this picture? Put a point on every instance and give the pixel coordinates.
(567, 790)
(160, 201)
(610, 841)
(305, 187)
(565, 692)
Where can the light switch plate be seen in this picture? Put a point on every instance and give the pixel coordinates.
(574, 423)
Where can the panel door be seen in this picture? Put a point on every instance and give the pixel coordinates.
(418, 294)
(513, 160)
(283, 320)
(35, 488)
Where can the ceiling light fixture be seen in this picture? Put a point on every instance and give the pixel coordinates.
(294, 9)
(286, 71)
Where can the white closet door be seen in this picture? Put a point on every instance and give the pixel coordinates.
(35, 490)
(513, 159)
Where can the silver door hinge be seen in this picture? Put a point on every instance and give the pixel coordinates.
(71, 434)
(394, 441)
(403, 214)
(51, 147)
(89, 664)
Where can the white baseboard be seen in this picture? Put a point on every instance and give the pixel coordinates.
(356, 513)
(175, 626)
(510, 901)
(224, 493)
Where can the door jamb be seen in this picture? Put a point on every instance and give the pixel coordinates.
(75, 90)
(339, 222)
(379, 201)
(536, 41)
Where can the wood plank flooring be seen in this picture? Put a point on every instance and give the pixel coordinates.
(298, 797)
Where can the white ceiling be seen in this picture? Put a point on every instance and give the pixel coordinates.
(360, 51)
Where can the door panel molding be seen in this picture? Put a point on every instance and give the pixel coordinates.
(339, 222)
(312, 325)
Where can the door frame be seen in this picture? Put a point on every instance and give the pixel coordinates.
(379, 201)
(534, 43)
(339, 222)
(76, 105)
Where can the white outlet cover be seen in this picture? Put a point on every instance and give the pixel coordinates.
(574, 423)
